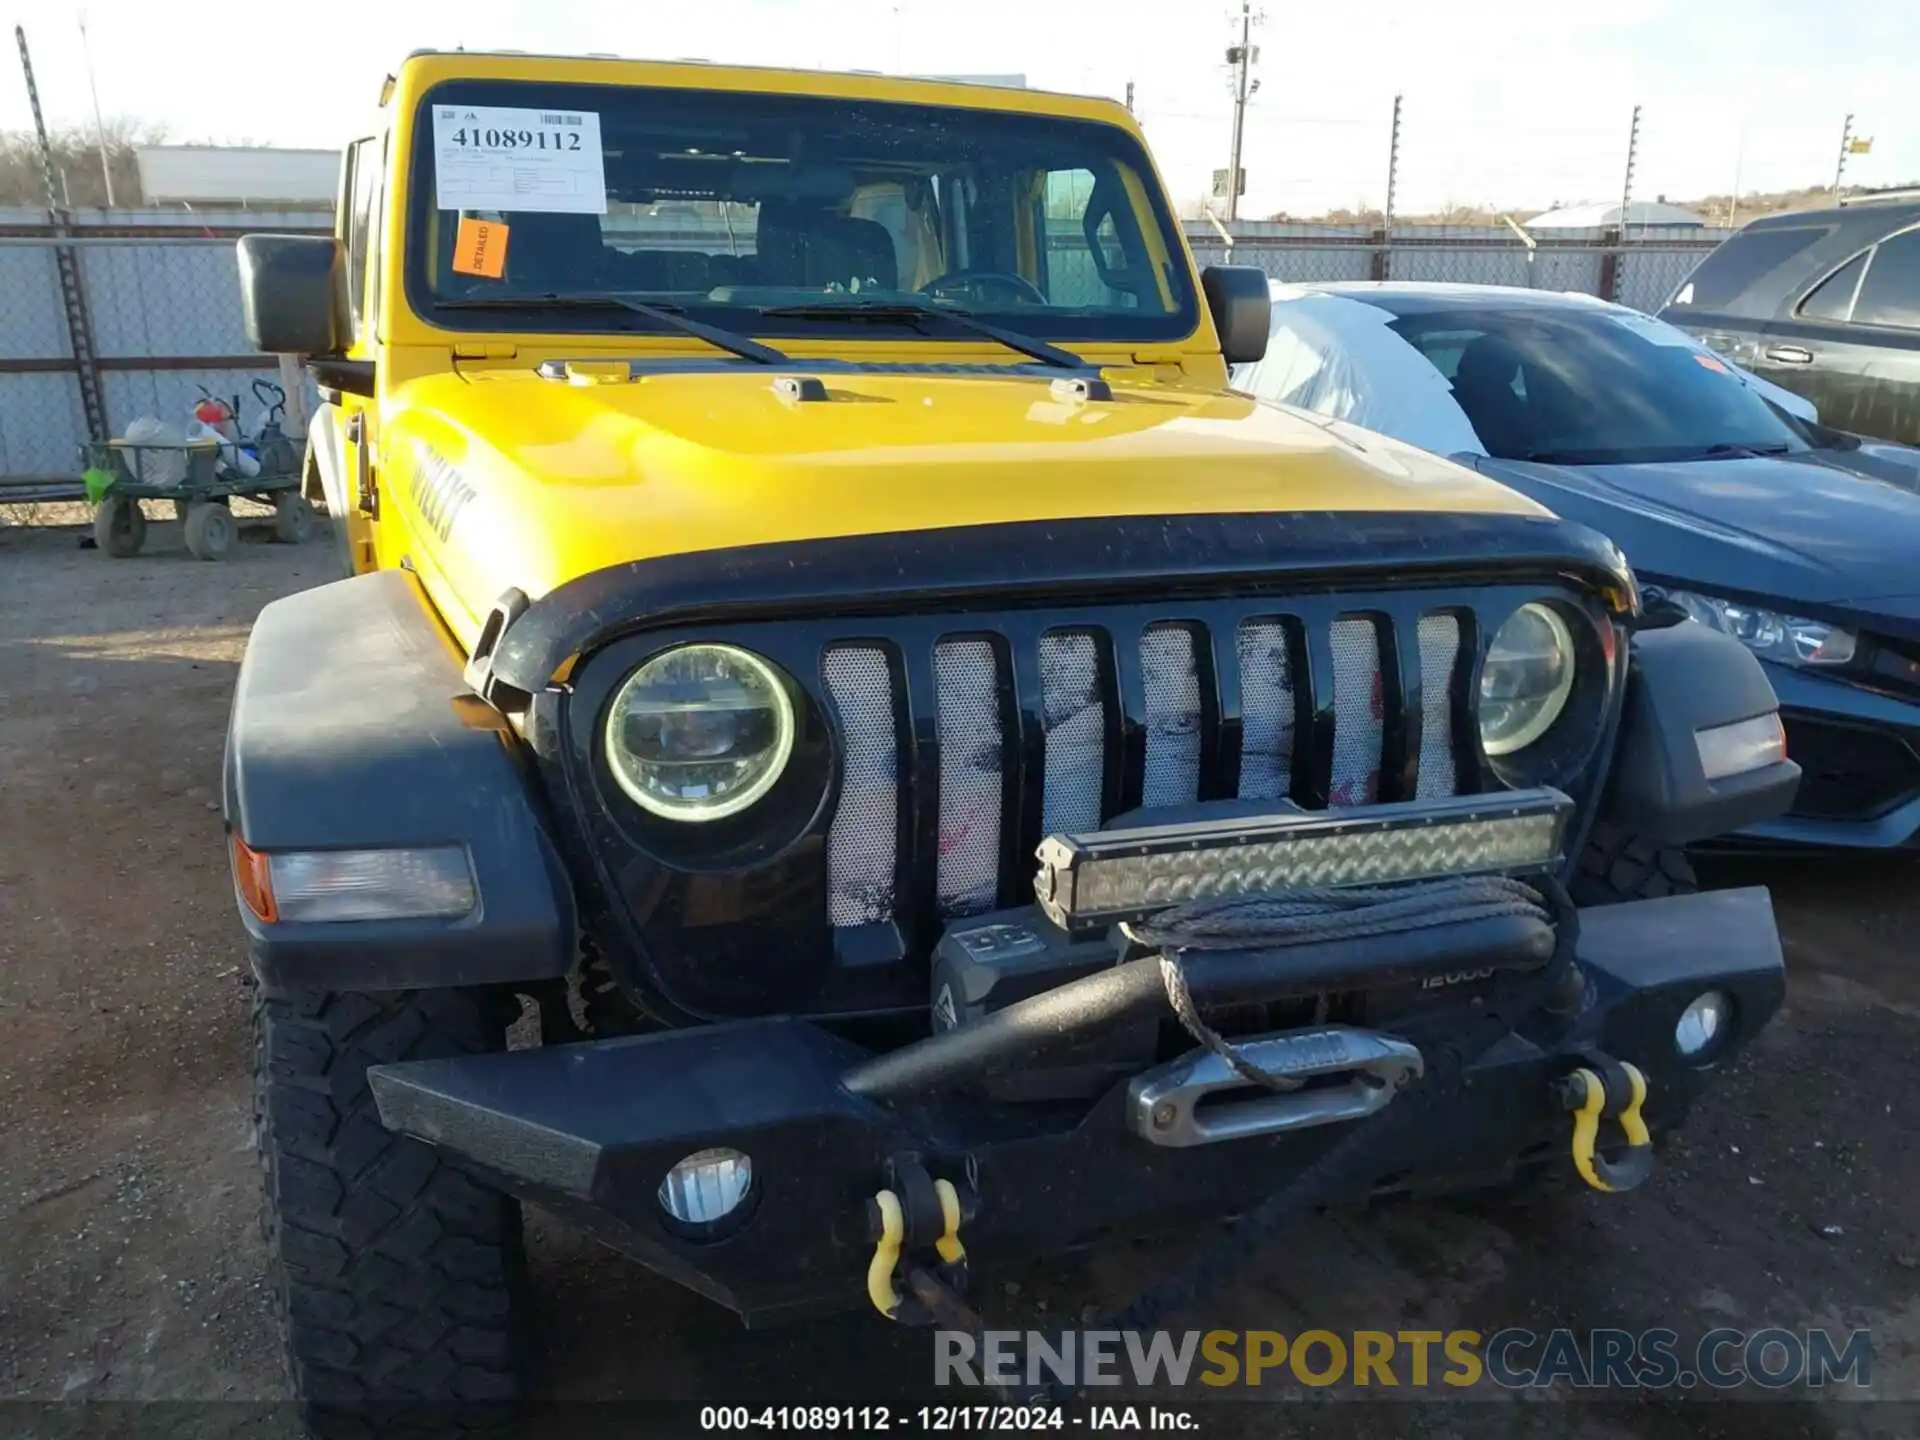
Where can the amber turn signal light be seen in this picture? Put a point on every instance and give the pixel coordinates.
(254, 880)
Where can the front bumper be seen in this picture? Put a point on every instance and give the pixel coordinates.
(1859, 753)
(589, 1131)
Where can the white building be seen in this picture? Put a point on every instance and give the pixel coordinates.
(243, 175)
(1606, 217)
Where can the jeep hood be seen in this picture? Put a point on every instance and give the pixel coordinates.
(510, 479)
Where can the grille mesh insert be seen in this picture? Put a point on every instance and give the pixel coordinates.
(966, 680)
(871, 848)
(1170, 682)
(863, 845)
(1358, 714)
(1267, 710)
(1439, 637)
(1076, 722)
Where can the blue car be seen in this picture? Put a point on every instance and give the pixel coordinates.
(1728, 496)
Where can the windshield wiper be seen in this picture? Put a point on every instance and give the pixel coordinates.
(1652, 454)
(669, 315)
(1733, 449)
(911, 313)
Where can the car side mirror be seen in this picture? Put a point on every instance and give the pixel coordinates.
(1242, 310)
(291, 293)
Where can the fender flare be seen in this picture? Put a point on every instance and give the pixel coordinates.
(352, 729)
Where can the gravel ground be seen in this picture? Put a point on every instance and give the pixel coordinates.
(130, 1265)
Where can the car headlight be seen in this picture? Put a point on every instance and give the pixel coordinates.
(1789, 639)
(1527, 678)
(700, 732)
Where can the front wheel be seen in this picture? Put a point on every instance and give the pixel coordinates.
(1619, 866)
(399, 1279)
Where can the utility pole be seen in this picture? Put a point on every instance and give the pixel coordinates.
(1383, 257)
(1393, 166)
(1241, 57)
(1626, 189)
(1129, 96)
(1846, 144)
(99, 125)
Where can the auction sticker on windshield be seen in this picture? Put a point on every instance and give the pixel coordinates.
(491, 157)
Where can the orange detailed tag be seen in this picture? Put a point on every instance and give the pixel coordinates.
(1709, 363)
(480, 248)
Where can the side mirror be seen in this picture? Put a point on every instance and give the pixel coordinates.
(290, 293)
(1242, 310)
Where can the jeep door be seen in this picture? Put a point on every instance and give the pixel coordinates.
(344, 434)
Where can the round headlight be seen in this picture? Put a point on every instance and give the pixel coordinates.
(1527, 679)
(700, 732)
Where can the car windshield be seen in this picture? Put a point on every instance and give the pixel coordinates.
(1592, 386)
(764, 214)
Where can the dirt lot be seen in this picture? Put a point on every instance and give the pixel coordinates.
(130, 1266)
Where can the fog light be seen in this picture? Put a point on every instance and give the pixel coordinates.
(1702, 1024)
(706, 1187)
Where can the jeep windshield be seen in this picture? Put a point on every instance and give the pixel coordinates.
(780, 215)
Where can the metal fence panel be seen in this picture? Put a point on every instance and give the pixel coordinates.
(41, 426)
(163, 300)
(1349, 260)
(1461, 267)
(32, 325)
(1647, 276)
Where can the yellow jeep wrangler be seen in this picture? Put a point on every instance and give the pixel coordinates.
(953, 779)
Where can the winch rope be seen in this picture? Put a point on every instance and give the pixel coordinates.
(1309, 917)
(1312, 917)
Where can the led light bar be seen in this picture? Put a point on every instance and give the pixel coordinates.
(1108, 876)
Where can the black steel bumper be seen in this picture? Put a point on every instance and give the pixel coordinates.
(590, 1130)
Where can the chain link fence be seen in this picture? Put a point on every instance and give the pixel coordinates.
(1641, 270)
(145, 321)
(150, 319)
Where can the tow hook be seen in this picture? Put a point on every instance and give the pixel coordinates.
(1606, 1088)
(916, 1214)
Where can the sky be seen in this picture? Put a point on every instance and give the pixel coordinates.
(1521, 103)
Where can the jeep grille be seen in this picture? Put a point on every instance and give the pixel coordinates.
(1112, 716)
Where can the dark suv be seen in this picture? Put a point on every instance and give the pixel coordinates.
(1825, 303)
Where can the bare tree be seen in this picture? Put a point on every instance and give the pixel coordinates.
(76, 161)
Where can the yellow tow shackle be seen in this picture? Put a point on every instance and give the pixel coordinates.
(886, 1254)
(1585, 1094)
(890, 1238)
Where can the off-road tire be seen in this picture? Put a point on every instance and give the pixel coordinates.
(400, 1281)
(119, 527)
(1619, 865)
